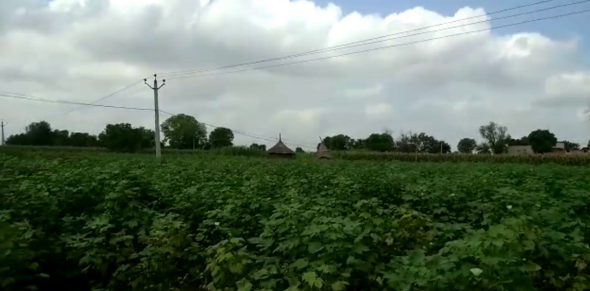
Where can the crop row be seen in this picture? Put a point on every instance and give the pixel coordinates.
(563, 159)
(232, 223)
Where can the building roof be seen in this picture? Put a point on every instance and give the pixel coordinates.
(323, 152)
(280, 148)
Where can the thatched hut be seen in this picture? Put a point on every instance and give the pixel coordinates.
(323, 152)
(280, 150)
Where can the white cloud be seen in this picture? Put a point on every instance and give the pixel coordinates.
(378, 110)
(82, 50)
(370, 91)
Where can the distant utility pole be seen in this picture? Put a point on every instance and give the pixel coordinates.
(2, 125)
(157, 112)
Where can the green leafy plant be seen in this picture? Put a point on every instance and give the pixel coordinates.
(215, 222)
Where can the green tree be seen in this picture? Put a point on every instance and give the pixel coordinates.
(221, 137)
(483, 149)
(299, 150)
(380, 142)
(18, 139)
(256, 146)
(338, 142)
(357, 143)
(495, 137)
(466, 145)
(40, 133)
(61, 137)
(405, 144)
(183, 131)
(523, 141)
(542, 141)
(421, 142)
(123, 137)
(571, 146)
(82, 139)
(36, 134)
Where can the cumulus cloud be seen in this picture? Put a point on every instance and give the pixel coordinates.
(82, 50)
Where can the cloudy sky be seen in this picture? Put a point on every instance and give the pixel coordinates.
(526, 77)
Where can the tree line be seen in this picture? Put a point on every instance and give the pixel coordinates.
(183, 131)
(495, 139)
(180, 132)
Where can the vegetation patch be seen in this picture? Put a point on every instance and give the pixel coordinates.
(234, 223)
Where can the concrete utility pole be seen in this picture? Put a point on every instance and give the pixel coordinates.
(157, 112)
(2, 125)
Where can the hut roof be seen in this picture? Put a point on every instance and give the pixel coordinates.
(280, 149)
(323, 152)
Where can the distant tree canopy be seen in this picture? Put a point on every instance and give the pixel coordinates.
(421, 143)
(523, 141)
(466, 145)
(256, 146)
(379, 142)
(123, 137)
(41, 134)
(495, 136)
(542, 141)
(571, 146)
(338, 142)
(221, 137)
(183, 131)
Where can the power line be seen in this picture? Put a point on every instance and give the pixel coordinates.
(384, 47)
(32, 98)
(363, 42)
(102, 98)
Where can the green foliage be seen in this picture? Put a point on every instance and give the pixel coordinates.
(183, 131)
(36, 133)
(380, 142)
(222, 223)
(466, 145)
(422, 143)
(123, 137)
(221, 137)
(569, 146)
(258, 147)
(542, 141)
(338, 142)
(496, 138)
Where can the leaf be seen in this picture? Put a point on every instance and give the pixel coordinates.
(299, 264)
(314, 247)
(309, 277)
(476, 271)
(319, 282)
(339, 285)
(350, 260)
(244, 285)
(532, 267)
(359, 249)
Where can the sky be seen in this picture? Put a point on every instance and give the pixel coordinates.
(525, 77)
